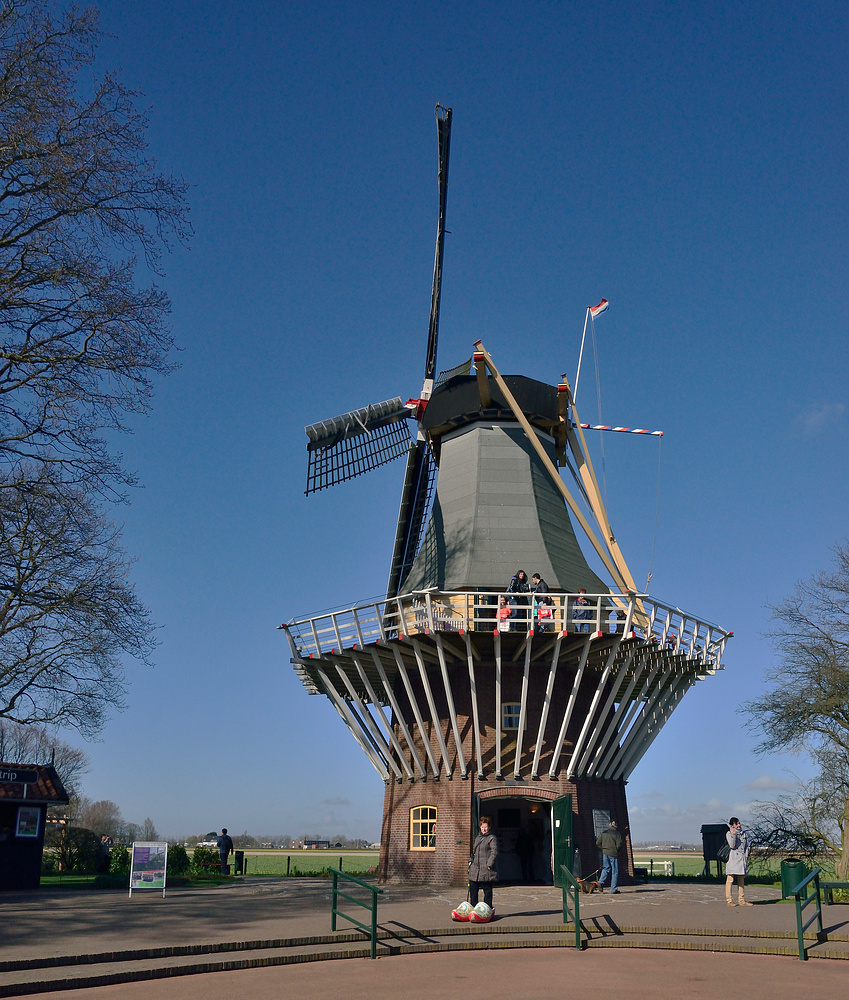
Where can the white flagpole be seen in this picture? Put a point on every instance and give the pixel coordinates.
(580, 356)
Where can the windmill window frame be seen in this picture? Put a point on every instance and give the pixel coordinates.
(511, 714)
(422, 821)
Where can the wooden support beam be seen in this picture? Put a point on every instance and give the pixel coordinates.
(434, 715)
(449, 697)
(411, 697)
(399, 750)
(579, 742)
(546, 705)
(549, 466)
(396, 709)
(570, 707)
(622, 673)
(474, 695)
(353, 725)
(523, 713)
(364, 715)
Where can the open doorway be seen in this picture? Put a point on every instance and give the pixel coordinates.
(524, 831)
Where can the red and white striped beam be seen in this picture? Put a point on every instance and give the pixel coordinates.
(621, 430)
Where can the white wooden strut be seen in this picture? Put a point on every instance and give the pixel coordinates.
(402, 757)
(580, 770)
(523, 713)
(434, 715)
(579, 743)
(365, 716)
(399, 718)
(455, 725)
(408, 687)
(570, 707)
(546, 705)
(652, 666)
(356, 730)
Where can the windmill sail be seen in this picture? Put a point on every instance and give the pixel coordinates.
(349, 445)
(417, 481)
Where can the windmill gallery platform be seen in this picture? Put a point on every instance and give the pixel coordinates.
(577, 712)
(531, 706)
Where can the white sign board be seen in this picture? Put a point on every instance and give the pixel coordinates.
(148, 864)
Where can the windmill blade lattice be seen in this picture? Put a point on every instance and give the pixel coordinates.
(346, 446)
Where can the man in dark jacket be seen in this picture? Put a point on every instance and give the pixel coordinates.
(225, 846)
(609, 842)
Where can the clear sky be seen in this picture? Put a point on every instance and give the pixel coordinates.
(686, 161)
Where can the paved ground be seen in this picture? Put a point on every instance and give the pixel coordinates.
(57, 922)
(522, 975)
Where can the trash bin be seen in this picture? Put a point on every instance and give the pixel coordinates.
(793, 871)
(713, 837)
(240, 862)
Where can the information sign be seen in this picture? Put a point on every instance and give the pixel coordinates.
(148, 865)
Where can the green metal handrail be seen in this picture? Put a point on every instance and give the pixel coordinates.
(800, 905)
(375, 892)
(571, 888)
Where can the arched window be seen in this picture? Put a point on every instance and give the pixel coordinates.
(423, 828)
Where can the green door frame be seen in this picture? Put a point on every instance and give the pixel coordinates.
(561, 835)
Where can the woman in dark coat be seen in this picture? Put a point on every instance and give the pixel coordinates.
(482, 872)
(520, 585)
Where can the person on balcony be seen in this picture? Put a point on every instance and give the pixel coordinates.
(505, 615)
(519, 585)
(581, 611)
(542, 603)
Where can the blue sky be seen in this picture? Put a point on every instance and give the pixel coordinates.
(687, 162)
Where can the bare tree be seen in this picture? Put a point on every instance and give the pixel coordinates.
(101, 817)
(79, 199)
(67, 610)
(81, 203)
(807, 709)
(21, 744)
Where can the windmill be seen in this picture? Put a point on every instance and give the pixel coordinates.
(542, 723)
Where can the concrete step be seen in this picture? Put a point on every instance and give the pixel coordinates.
(70, 972)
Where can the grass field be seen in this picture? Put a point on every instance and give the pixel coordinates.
(691, 864)
(308, 862)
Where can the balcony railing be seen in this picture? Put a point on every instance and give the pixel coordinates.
(422, 613)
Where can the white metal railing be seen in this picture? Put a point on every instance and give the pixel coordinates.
(477, 611)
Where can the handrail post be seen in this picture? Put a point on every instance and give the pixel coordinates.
(800, 905)
(374, 925)
(570, 885)
(371, 929)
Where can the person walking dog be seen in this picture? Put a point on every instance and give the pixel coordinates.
(609, 842)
